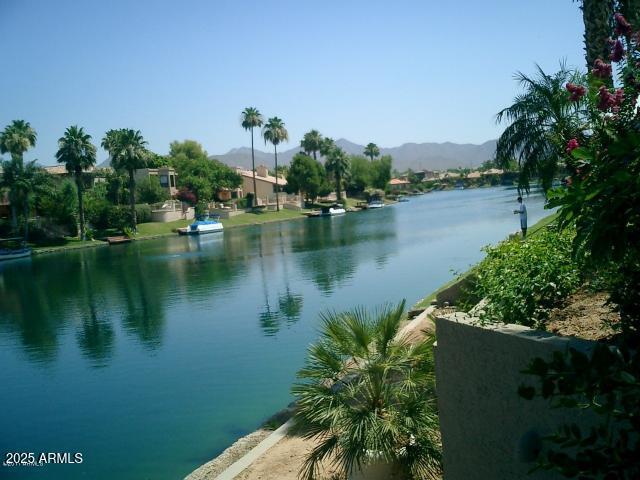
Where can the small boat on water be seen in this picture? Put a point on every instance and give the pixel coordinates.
(207, 224)
(12, 248)
(117, 240)
(335, 209)
(375, 204)
(402, 198)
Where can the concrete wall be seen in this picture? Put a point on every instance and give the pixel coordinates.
(488, 431)
(171, 215)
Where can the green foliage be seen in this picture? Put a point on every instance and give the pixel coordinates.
(143, 213)
(58, 206)
(337, 165)
(197, 173)
(381, 172)
(602, 197)
(522, 280)
(360, 175)
(363, 391)
(149, 190)
(371, 151)
(17, 138)
(539, 120)
(305, 175)
(607, 383)
(311, 143)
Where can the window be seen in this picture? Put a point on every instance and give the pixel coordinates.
(164, 181)
(173, 180)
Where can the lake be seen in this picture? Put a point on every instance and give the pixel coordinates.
(150, 358)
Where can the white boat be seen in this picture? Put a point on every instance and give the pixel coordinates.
(375, 204)
(12, 253)
(333, 210)
(402, 198)
(202, 226)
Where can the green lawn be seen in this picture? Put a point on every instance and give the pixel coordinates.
(68, 244)
(151, 229)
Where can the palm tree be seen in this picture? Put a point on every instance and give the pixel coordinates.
(326, 146)
(541, 121)
(597, 16)
(275, 133)
(367, 391)
(312, 142)
(22, 180)
(252, 118)
(127, 150)
(338, 164)
(16, 139)
(371, 151)
(77, 152)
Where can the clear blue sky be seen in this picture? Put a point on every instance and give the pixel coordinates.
(383, 71)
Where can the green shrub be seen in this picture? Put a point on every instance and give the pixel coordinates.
(149, 190)
(143, 213)
(522, 280)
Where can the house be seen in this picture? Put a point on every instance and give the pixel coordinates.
(265, 183)
(398, 184)
(493, 171)
(474, 175)
(60, 171)
(166, 176)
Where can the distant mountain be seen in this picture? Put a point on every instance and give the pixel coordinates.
(417, 156)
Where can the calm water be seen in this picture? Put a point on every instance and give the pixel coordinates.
(150, 358)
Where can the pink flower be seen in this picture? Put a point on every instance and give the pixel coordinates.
(617, 52)
(623, 27)
(572, 145)
(576, 91)
(601, 69)
(607, 100)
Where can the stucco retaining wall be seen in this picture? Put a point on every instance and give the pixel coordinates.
(488, 431)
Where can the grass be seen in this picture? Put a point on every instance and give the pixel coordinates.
(155, 229)
(68, 244)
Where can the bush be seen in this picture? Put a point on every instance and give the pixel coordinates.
(522, 280)
(149, 190)
(143, 213)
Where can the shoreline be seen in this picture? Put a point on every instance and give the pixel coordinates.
(101, 243)
(243, 445)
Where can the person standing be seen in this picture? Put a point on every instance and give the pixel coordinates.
(522, 210)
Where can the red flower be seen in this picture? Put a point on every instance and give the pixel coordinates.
(572, 145)
(601, 69)
(607, 100)
(623, 27)
(617, 52)
(576, 91)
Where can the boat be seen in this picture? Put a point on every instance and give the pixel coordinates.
(117, 240)
(11, 253)
(402, 198)
(335, 209)
(205, 224)
(375, 204)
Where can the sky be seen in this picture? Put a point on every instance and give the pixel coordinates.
(387, 72)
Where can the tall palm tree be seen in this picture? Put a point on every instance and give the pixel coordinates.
(275, 133)
(78, 154)
(597, 16)
(541, 121)
(338, 164)
(22, 179)
(312, 142)
(365, 391)
(326, 146)
(371, 151)
(127, 150)
(251, 118)
(16, 139)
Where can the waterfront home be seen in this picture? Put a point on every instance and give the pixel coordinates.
(398, 184)
(265, 184)
(166, 176)
(474, 175)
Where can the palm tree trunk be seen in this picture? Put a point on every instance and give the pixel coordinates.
(14, 216)
(253, 167)
(338, 187)
(275, 151)
(79, 187)
(597, 16)
(26, 219)
(132, 200)
(314, 155)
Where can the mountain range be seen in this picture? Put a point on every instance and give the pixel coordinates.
(417, 156)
